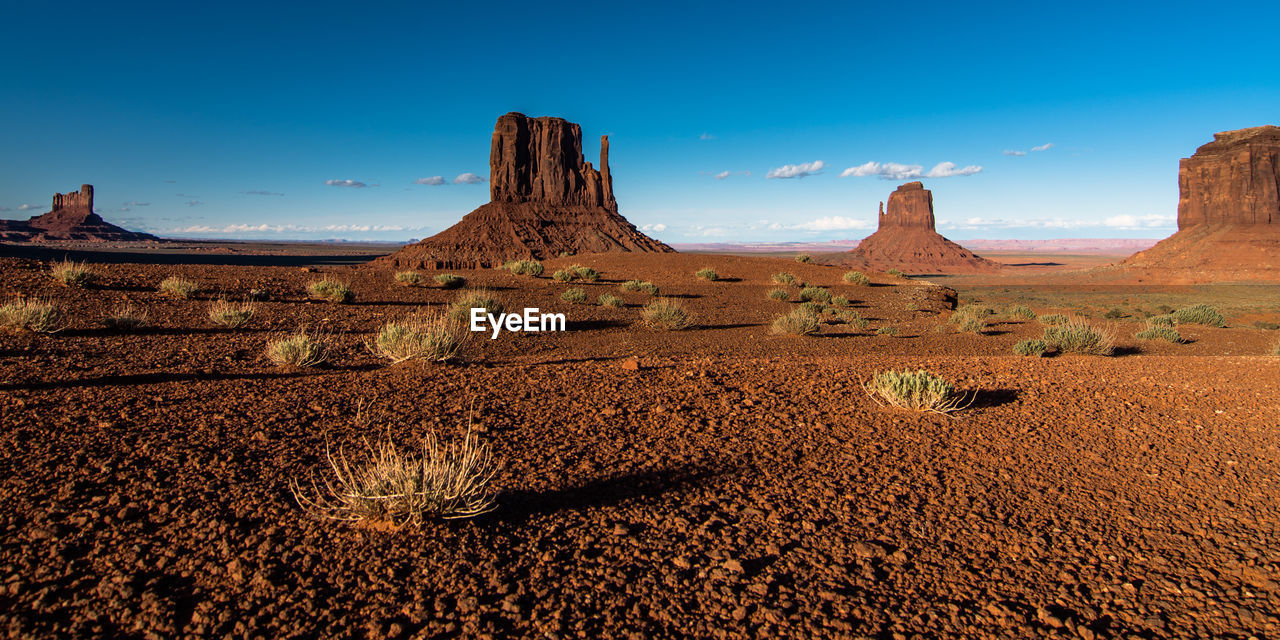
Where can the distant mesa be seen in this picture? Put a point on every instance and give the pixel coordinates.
(1228, 209)
(544, 200)
(906, 240)
(70, 218)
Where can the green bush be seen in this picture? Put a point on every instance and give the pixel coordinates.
(298, 349)
(784, 278)
(579, 272)
(1022, 311)
(852, 318)
(1052, 319)
(576, 296)
(666, 314)
(332, 290)
(915, 390)
(31, 314)
(1168, 334)
(803, 258)
(707, 274)
(815, 294)
(816, 308)
(857, 278)
(524, 267)
(640, 285)
(563, 275)
(840, 301)
(887, 331)
(780, 295)
(799, 322)
(125, 317)
(229, 314)
(609, 300)
(1199, 314)
(410, 278)
(895, 273)
(434, 336)
(1031, 348)
(460, 308)
(176, 287)
(1077, 336)
(450, 281)
(971, 324)
(73, 274)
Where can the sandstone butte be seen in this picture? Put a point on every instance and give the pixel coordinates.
(1228, 211)
(70, 218)
(544, 200)
(906, 240)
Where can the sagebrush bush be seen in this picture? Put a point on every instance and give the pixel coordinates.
(779, 294)
(887, 331)
(667, 314)
(579, 272)
(799, 322)
(640, 285)
(410, 278)
(524, 267)
(815, 294)
(916, 390)
(852, 318)
(576, 296)
(816, 308)
(707, 274)
(125, 317)
(803, 258)
(449, 280)
(1031, 348)
(1052, 319)
(1078, 336)
(230, 314)
(856, 278)
(784, 279)
(1199, 314)
(839, 301)
(969, 323)
(176, 287)
(298, 349)
(386, 485)
(31, 314)
(1168, 334)
(73, 274)
(895, 273)
(460, 308)
(330, 289)
(1160, 321)
(433, 336)
(609, 300)
(1022, 311)
(563, 275)
(1114, 314)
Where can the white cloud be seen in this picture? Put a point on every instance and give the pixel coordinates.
(468, 178)
(706, 136)
(1150, 221)
(896, 171)
(433, 181)
(722, 175)
(830, 223)
(949, 170)
(27, 207)
(1044, 147)
(293, 228)
(796, 170)
(1011, 152)
(1124, 222)
(659, 227)
(354, 184)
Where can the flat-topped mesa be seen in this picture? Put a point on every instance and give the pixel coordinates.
(540, 160)
(70, 211)
(910, 206)
(71, 218)
(1233, 180)
(81, 200)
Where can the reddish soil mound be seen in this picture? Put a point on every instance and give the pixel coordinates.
(545, 200)
(907, 241)
(71, 218)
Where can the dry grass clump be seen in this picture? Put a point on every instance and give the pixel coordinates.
(1052, 319)
(609, 300)
(410, 278)
(230, 314)
(524, 267)
(852, 318)
(335, 291)
(563, 275)
(799, 322)
(780, 295)
(1031, 348)
(707, 274)
(125, 317)
(576, 272)
(386, 485)
(803, 258)
(450, 280)
(298, 349)
(784, 279)
(1199, 314)
(31, 314)
(1275, 349)
(433, 336)
(887, 331)
(176, 287)
(916, 390)
(460, 308)
(576, 296)
(640, 285)
(1021, 311)
(1078, 336)
(666, 314)
(896, 273)
(840, 301)
(815, 294)
(857, 278)
(970, 323)
(1168, 334)
(1160, 321)
(72, 274)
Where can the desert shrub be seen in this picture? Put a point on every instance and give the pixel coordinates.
(125, 317)
(779, 294)
(974, 310)
(816, 308)
(176, 287)
(1275, 349)
(1031, 348)
(410, 278)
(440, 482)
(803, 258)
(563, 275)
(784, 278)
(460, 308)
(707, 274)
(1022, 311)
(1114, 314)
(298, 349)
(799, 322)
(852, 318)
(839, 301)
(1267, 326)
(1052, 319)
(609, 300)
(1199, 314)
(576, 296)
(40, 316)
(969, 323)
(525, 267)
(1160, 321)
(895, 273)
(916, 390)
(1077, 336)
(449, 280)
(332, 290)
(667, 314)
(640, 285)
(815, 294)
(230, 314)
(580, 272)
(856, 278)
(887, 331)
(432, 336)
(72, 274)
(1168, 334)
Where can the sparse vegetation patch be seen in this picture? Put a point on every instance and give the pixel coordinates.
(887, 331)
(524, 267)
(707, 274)
(31, 314)
(804, 258)
(915, 390)
(609, 300)
(1032, 347)
(666, 314)
(576, 296)
(1168, 334)
(815, 294)
(433, 336)
(125, 317)
(298, 349)
(784, 278)
(73, 274)
(410, 278)
(461, 307)
(799, 322)
(230, 314)
(335, 291)
(176, 287)
(781, 295)
(450, 280)
(1199, 314)
(1078, 336)
(1052, 319)
(1022, 311)
(857, 278)
(640, 285)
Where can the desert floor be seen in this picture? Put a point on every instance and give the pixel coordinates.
(738, 484)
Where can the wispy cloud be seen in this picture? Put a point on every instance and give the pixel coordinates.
(796, 170)
(194, 203)
(1014, 152)
(659, 227)
(706, 136)
(294, 228)
(185, 195)
(1121, 222)
(1044, 147)
(5, 209)
(135, 203)
(1011, 152)
(27, 207)
(728, 174)
(1150, 221)
(896, 171)
(829, 223)
(354, 184)
(261, 193)
(433, 181)
(468, 178)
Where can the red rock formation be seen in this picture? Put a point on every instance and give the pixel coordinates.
(906, 240)
(545, 199)
(71, 218)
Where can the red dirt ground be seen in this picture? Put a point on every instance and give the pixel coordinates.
(739, 484)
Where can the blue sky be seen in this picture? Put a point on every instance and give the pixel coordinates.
(247, 120)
